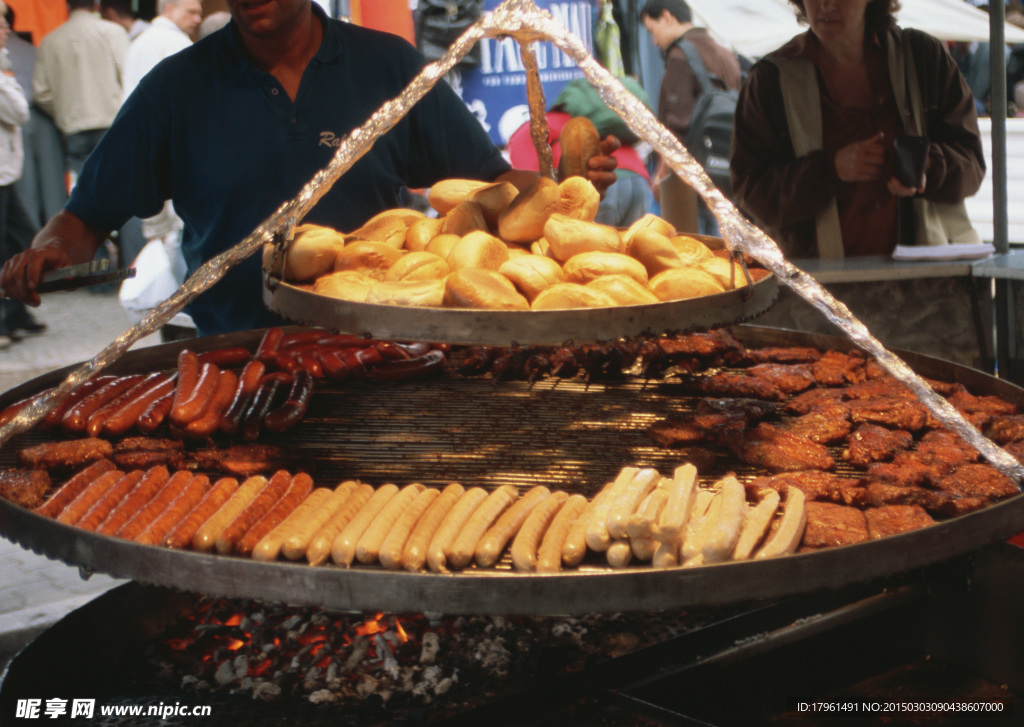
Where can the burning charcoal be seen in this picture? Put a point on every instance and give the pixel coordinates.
(225, 674)
(322, 696)
(429, 647)
(267, 691)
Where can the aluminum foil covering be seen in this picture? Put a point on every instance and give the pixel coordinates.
(522, 20)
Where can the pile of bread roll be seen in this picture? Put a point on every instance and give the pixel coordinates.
(494, 247)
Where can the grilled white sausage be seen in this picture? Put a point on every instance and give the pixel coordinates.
(787, 538)
(756, 525)
(552, 548)
(528, 539)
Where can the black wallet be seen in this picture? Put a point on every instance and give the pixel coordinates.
(910, 154)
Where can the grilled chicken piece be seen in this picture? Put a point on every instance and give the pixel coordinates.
(707, 344)
(822, 398)
(941, 504)
(991, 405)
(65, 455)
(712, 418)
(816, 485)
(791, 378)
(895, 519)
(773, 354)
(734, 385)
(943, 451)
(24, 487)
(771, 447)
(908, 414)
(872, 443)
(901, 472)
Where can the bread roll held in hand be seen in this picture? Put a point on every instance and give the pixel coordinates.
(568, 237)
(523, 220)
(587, 266)
(482, 289)
(478, 249)
(580, 142)
(310, 254)
(445, 195)
(419, 293)
(684, 283)
(623, 290)
(350, 285)
(567, 296)
(372, 258)
(579, 198)
(532, 273)
(421, 265)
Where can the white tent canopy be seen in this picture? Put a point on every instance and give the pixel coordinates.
(756, 28)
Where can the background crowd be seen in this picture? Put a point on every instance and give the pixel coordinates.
(66, 78)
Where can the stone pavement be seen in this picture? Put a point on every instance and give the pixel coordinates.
(35, 591)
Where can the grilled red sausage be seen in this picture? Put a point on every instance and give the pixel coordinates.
(294, 408)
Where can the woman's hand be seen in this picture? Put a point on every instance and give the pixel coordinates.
(601, 167)
(862, 161)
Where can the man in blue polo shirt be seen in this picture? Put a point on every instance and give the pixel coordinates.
(236, 124)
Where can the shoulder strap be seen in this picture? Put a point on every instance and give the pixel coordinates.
(801, 98)
(696, 65)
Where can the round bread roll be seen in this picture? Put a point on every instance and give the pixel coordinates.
(516, 251)
(446, 194)
(389, 226)
(579, 199)
(586, 266)
(482, 289)
(568, 237)
(648, 222)
(691, 250)
(493, 199)
(532, 273)
(579, 141)
(478, 250)
(442, 244)
(541, 247)
(421, 265)
(623, 289)
(349, 285)
(523, 220)
(683, 283)
(421, 232)
(562, 296)
(655, 251)
(310, 254)
(371, 258)
(466, 217)
(418, 293)
(725, 271)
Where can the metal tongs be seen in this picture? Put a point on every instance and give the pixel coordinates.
(83, 275)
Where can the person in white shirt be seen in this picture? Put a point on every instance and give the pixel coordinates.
(169, 32)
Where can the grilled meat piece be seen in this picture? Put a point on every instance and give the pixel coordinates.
(940, 504)
(66, 455)
(479, 361)
(885, 387)
(143, 459)
(707, 344)
(822, 398)
(26, 488)
(990, 405)
(908, 414)
(149, 444)
(245, 460)
(943, 451)
(872, 443)
(791, 378)
(976, 480)
(712, 418)
(816, 485)
(734, 385)
(836, 368)
(831, 525)
(772, 354)
(903, 471)
(820, 426)
(771, 447)
(895, 519)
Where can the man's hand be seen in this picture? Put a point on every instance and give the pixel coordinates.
(897, 188)
(64, 240)
(861, 161)
(601, 167)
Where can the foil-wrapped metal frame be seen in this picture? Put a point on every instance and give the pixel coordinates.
(522, 20)
(593, 588)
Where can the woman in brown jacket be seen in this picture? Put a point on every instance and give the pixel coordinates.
(812, 155)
